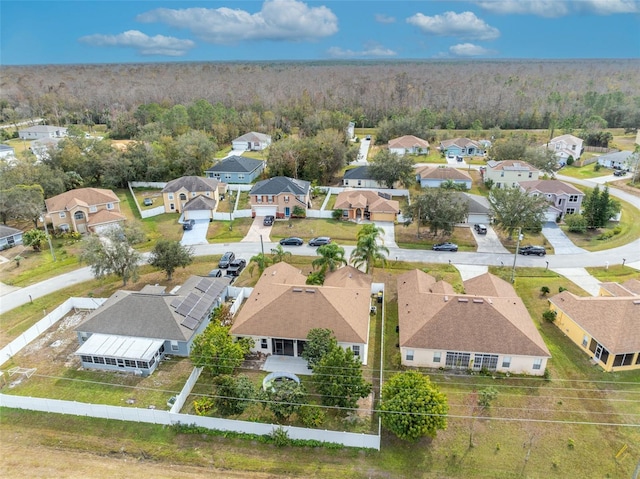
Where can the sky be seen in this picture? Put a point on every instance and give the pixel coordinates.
(121, 31)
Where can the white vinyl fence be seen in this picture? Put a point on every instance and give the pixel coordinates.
(45, 323)
(154, 416)
(186, 390)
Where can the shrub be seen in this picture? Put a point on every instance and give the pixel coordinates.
(280, 437)
(576, 223)
(202, 406)
(571, 444)
(597, 167)
(549, 316)
(312, 416)
(570, 161)
(337, 214)
(545, 290)
(489, 183)
(561, 289)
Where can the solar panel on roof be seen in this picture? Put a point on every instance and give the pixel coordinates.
(176, 302)
(190, 323)
(203, 285)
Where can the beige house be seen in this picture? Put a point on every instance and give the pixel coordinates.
(488, 328)
(84, 210)
(278, 196)
(509, 173)
(606, 327)
(282, 309)
(359, 205)
(194, 196)
(409, 145)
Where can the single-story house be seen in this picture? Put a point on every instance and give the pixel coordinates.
(462, 147)
(359, 177)
(509, 173)
(282, 309)
(565, 147)
(43, 147)
(278, 196)
(564, 198)
(39, 132)
(605, 328)
(435, 176)
(84, 210)
(251, 141)
(236, 169)
(488, 328)
(409, 145)
(134, 330)
(194, 196)
(478, 208)
(620, 160)
(628, 288)
(7, 152)
(359, 205)
(9, 237)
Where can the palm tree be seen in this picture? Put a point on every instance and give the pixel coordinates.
(261, 260)
(331, 257)
(279, 254)
(367, 250)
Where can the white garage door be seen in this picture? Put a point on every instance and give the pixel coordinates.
(551, 215)
(197, 215)
(265, 210)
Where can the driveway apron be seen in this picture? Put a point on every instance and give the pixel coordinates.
(582, 278)
(389, 239)
(197, 235)
(560, 242)
(489, 242)
(257, 229)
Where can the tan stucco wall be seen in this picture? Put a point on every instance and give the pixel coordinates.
(178, 203)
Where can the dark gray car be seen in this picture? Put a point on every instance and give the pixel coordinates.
(226, 259)
(319, 241)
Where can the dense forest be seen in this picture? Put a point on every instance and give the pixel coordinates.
(505, 94)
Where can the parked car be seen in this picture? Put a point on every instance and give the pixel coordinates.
(226, 259)
(293, 241)
(147, 202)
(368, 137)
(619, 173)
(537, 250)
(319, 241)
(188, 225)
(236, 267)
(215, 273)
(268, 220)
(480, 229)
(445, 247)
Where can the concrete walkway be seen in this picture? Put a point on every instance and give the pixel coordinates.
(489, 243)
(559, 240)
(297, 366)
(582, 278)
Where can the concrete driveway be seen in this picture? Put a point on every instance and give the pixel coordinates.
(363, 152)
(560, 242)
(257, 229)
(197, 235)
(389, 238)
(488, 243)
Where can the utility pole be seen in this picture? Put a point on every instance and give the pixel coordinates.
(46, 232)
(515, 256)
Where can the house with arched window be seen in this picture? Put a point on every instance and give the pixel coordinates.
(84, 210)
(194, 196)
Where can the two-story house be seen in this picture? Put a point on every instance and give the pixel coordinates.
(462, 147)
(565, 147)
(409, 145)
(359, 177)
(251, 141)
(509, 173)
(564, 199)
(84, 210)
(38, 132)
(194, 196)
(236, 169)
(278, 196)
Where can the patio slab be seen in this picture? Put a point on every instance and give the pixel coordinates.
(289, 364)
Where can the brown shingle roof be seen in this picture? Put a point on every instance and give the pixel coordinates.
(612, 321)
(632, 285)
(349, 199)
(282, 305)
(462, 322)
(511, 165)
(83, 196)
(489, 285)
(105, 216)
(616, 289)
(555, 187)
(408, 141)
(443, 173)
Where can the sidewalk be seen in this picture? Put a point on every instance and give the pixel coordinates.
(582, 278)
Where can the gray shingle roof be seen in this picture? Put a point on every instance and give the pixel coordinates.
(253, 136)
(191, 183)
(358, 173)
(280, 184)
(236, 164)
(8, 231)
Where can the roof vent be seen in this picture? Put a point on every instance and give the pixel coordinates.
(489, 301)
(636, 301)
(297, 290)
(446, 298)
(310, 290)
(463, 300)
(478, 300)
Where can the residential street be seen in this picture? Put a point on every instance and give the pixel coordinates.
(630, 253)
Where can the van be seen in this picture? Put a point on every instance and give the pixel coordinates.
(480, 229)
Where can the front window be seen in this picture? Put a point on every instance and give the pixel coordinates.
(240, 176)
(585, 341)
(258, 199)
(345, 213)
(270, 198)
(356, 350)
(530, 174)
(506, 361)
(623, 359)
(63, 214)
(78, 215)
(183, 196)
(537, 363)
(436, 357)
(170, 196)
(109, 206)
(172, 207)
(502, 174)
(570, 211)
(286, 199)
(573, 198)
(93, 209)
(174, 345)
(263, 343)
(193, 194)
(129, 363)
(409, 355)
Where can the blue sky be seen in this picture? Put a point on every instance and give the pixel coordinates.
(119, 31)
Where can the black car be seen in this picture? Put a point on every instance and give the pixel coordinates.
(215, 273)
(188, 225)
(537, 250)
(293, 241)
(226, 259)
(619, 173)
(319, 241)
(268, 220)
(236, 267)
(445, 247)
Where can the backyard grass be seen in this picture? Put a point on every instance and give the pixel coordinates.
(154, 193)
(243, 202)
(331, 203)
(342, 232)
(585, 172)
(317, 201)
(407, 237)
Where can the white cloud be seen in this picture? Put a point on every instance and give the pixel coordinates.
(372, 50)
(144, 44)
(462, 25)
(559, 8)
(283, 20)
(382, 18)
(469, 50)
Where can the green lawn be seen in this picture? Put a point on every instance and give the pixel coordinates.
(154, 193)
(342, 232)
(584, 172)
(228, 232)
(614, 273)
(407, 237)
